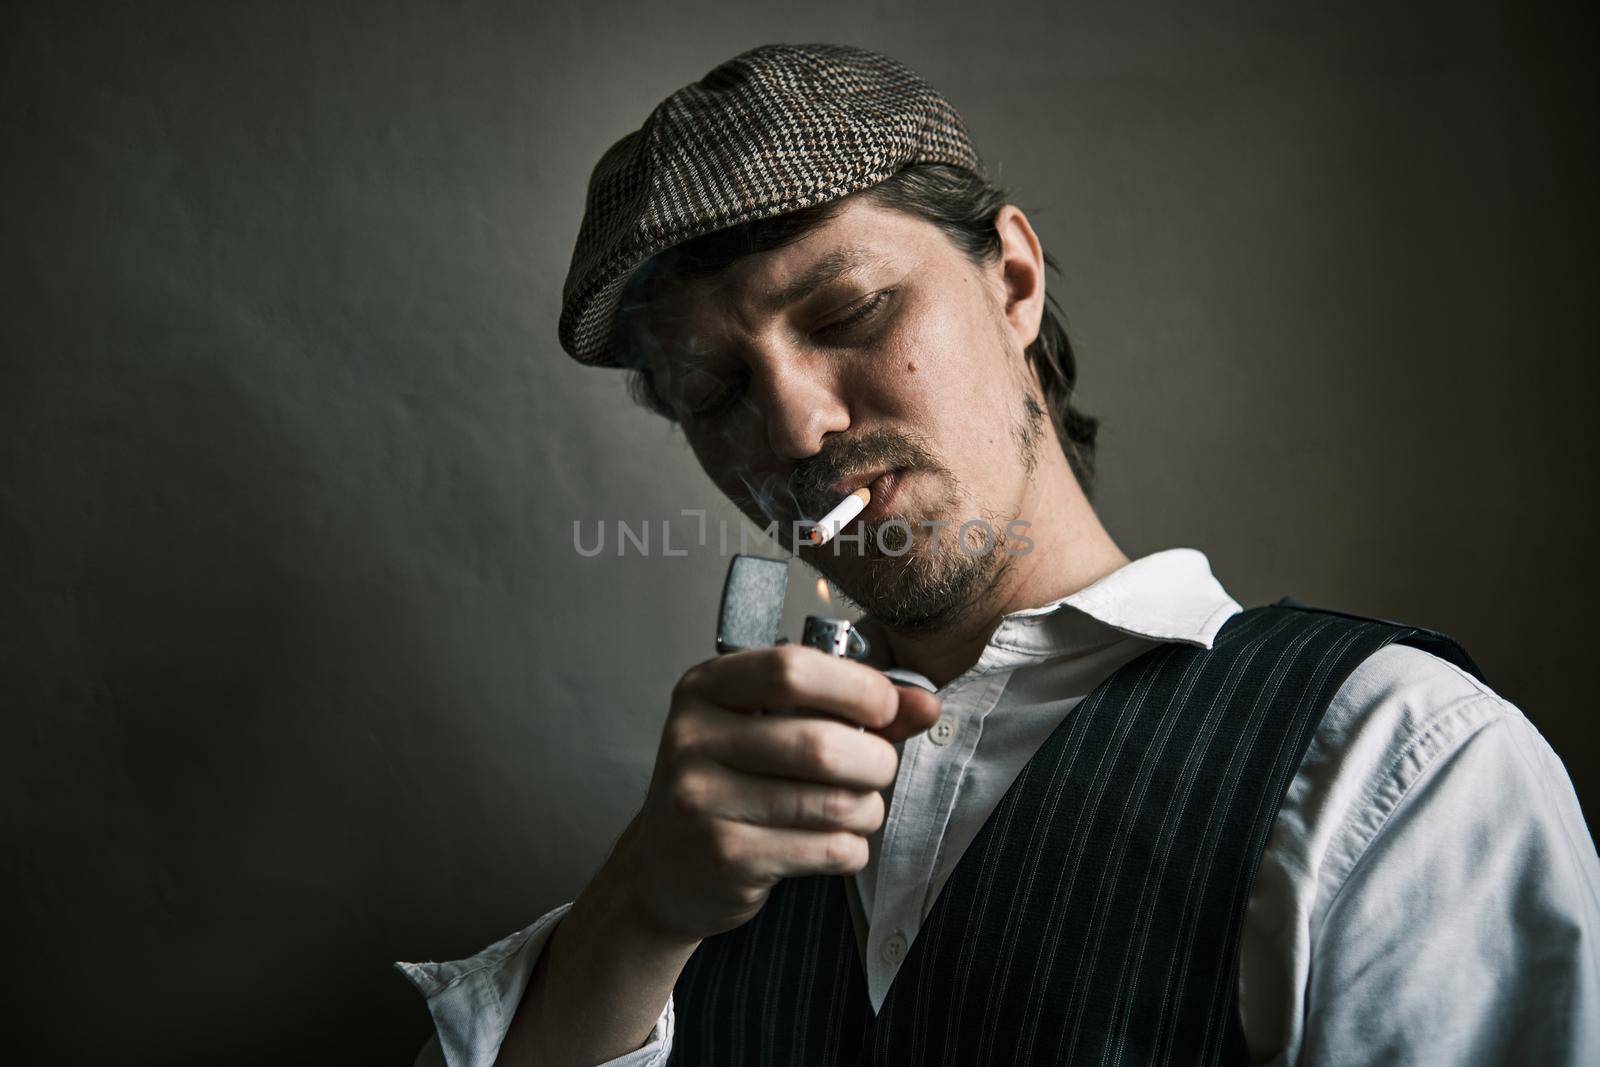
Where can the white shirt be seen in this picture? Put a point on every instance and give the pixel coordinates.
(1429, 892)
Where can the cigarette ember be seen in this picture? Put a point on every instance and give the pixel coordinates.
(830, 524)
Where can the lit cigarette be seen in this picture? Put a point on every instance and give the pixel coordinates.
(823, 530)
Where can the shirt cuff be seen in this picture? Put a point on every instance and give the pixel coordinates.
(472, 1001)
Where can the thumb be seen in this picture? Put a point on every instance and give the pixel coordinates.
(919, 709)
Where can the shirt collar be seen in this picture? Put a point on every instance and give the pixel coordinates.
(1166, 596)
(1169, 595)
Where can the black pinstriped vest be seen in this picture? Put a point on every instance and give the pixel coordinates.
(1096, 916)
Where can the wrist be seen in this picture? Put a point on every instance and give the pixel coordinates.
(625, 895)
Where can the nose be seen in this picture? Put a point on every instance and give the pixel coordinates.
(801, 406)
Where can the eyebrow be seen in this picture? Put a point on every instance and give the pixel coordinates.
(830, 268)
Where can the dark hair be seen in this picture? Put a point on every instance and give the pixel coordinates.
(963, 205)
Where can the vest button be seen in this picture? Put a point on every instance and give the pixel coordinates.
(894, 948)
(943, 732)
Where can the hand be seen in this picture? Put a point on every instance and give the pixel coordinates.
(740, 800)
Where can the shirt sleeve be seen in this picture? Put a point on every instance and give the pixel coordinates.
(1468, 930)
(472, 1001)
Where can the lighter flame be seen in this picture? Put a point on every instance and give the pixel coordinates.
(822, 591)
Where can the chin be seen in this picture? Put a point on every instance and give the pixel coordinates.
(920, 591)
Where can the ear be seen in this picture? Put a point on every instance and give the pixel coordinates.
(1020, 274)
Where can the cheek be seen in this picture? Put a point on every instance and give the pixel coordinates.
(913, 366)
(945, 371)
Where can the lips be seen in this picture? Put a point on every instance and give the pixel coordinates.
(885, 487)
(849, 484)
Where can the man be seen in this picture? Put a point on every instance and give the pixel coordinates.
(1078, 807)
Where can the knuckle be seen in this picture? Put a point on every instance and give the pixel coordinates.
(842, 852)
(873, 810)
(680, 737)
(689, 795)
(816, 806)
(747, 894)
(837, 806)
(818, 749)
(890, 766)
(727, 850)
(788, 807)
(789, 670)
(689, 684)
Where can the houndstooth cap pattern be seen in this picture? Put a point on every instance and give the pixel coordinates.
(772, 130)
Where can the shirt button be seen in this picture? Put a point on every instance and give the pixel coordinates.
(894, 948)
(943, 732)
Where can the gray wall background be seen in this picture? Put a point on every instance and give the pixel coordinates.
(302, 674)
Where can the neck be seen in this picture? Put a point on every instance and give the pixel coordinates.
(1071, 550)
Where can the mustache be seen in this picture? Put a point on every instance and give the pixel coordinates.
(811, 482)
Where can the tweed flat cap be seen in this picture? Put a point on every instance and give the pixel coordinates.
(772, 130)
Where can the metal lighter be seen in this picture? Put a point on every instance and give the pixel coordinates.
(837, 637)
(752, 605)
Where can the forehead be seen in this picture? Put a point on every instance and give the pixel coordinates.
(862, 240)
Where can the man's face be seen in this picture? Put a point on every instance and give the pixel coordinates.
(905, 371)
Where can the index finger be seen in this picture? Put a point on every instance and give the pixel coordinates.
(798, 676)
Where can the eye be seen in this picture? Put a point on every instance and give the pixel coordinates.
(718, 399)
(856, 315)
